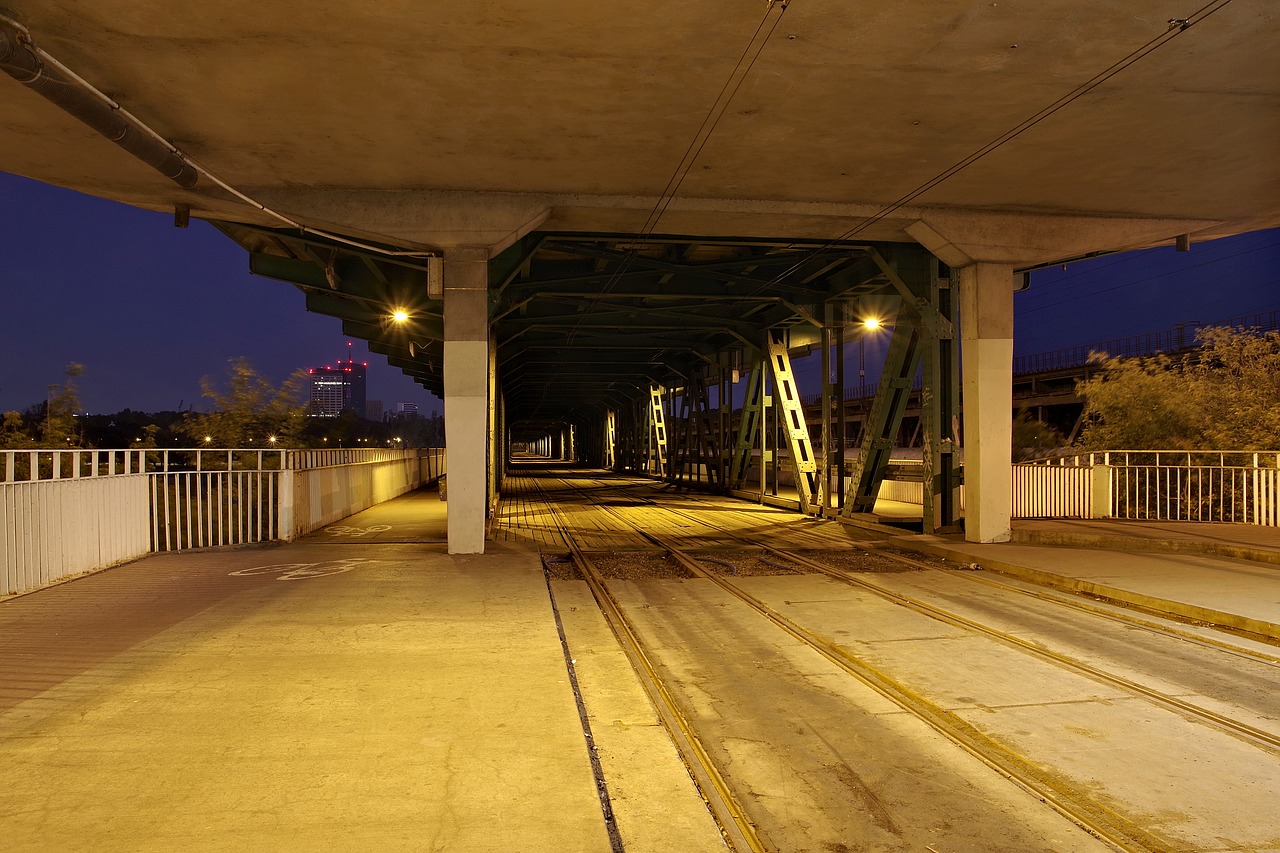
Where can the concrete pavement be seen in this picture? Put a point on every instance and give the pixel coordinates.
(311, 696)
(1223, 574)
(362, 689)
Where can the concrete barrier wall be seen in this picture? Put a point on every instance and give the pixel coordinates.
(51, 530)
(313, 498)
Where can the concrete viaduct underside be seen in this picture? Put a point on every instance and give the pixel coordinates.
(578, 210)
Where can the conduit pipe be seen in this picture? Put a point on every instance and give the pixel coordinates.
(22, 64)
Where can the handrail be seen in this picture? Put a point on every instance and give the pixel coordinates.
(1166, 458)
(78, 463)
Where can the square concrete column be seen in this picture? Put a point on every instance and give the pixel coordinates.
(466, 394)
(986, 369)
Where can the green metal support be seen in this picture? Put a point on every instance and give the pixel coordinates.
(610, 439)
(748, 428)
(913, 273)
(657, 437)
(940, 408)
(804, 468)
(901, 364)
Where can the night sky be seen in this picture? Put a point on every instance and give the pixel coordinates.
(149, 309)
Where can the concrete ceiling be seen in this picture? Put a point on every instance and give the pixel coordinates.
(426, 125)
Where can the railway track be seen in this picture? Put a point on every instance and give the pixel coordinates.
(1101, 820)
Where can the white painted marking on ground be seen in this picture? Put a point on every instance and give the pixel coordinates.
(301, 571)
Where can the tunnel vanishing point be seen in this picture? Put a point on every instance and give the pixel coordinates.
(564, 217)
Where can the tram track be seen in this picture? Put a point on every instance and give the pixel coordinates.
(1098, 818)
(736, 827)
(1237, 728)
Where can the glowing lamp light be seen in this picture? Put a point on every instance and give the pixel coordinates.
(400, 315)
(208, 439)
(272, 439)
(871, 323)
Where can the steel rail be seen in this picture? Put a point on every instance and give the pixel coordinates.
(1244, 731)
(1093, 816)
(1235, 727)
(1064, 600)
(736, 827)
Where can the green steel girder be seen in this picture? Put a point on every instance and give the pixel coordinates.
(351, 276)
(912, 271)
(901, 364)
(595, 317)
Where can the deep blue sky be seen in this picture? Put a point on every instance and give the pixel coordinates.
(149, 309)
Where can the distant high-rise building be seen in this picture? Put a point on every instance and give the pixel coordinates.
(336, 389)
(373, 410)
(406, 408)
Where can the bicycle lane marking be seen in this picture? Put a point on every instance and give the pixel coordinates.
(301, 571)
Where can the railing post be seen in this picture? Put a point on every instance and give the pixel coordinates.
(1100, 503)
(286, 515)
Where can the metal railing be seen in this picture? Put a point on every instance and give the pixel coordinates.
(66, 512)
(1239, 486)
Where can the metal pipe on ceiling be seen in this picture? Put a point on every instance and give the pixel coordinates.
(20, 62)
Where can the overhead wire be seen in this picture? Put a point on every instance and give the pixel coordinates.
(750, 54)
(51, 60)
(1174, 28)
(1156, 277)
(739, 73)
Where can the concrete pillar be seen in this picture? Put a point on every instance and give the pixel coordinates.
(986, 327)
(466, 394)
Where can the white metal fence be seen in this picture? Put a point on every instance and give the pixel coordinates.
(67, 512)
(1042, 491)
(1161, 485)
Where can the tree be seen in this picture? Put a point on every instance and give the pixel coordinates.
(61, 409)
(249, 411)
(1239, 374)
(1033, 439)
(1225, 397)
(13, 431)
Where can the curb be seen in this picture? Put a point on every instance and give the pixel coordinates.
(1268, 631)
(1113, 542)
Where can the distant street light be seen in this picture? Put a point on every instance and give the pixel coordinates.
(869, 324)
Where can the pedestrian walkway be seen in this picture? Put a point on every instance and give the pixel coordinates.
(1222, 574)
(315, 696)
(419, 516)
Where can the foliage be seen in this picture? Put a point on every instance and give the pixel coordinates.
(60, 426)
(249, 411)
(14, 432)
(1227, 398)
(1033, 439)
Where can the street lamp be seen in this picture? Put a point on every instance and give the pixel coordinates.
(869, 324)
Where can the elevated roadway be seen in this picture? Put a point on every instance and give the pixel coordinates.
(570, 209)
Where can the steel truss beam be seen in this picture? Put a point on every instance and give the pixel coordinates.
(803, 466)
(923, 331)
